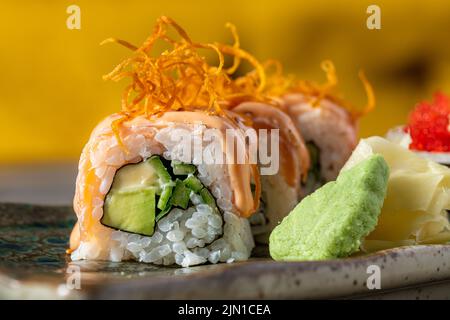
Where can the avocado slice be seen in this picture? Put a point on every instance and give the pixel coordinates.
(131, 211)
(131, 202)
(135, 176)
(143, 193)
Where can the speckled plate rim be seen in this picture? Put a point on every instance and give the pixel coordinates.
(268, 279)
(257, 278)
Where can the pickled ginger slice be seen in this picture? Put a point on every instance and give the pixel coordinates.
(418, 196)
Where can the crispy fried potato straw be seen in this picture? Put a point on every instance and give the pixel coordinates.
(180, 78)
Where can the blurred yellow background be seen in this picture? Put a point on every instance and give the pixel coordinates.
(52, 93)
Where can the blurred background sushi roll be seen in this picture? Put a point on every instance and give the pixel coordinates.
(330, 134)
(280, 191)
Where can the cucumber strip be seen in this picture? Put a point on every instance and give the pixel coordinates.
(183, 168)
(160, 169)
(208, 198)
(193, 183)
(180, 168)
(163, 201)
(180, 196)
(163, 212)
(166, 184)
(314, 154)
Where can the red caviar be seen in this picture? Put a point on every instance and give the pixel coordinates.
(429, 125)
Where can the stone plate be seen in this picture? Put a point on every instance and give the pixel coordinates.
(33, 265)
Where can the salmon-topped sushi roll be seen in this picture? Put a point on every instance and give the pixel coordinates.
(329, 131)
(146, 200)
(328, 124)
(158, 181)
(280, 188)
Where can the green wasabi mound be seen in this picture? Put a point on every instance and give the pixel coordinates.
(331, 222)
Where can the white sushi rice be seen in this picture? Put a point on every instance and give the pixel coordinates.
(188, 237)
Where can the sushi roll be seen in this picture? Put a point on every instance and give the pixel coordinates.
(144, 200)
(330, 134)
(149, 186)
(280, 191)
(328, 124)
(141, 194)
